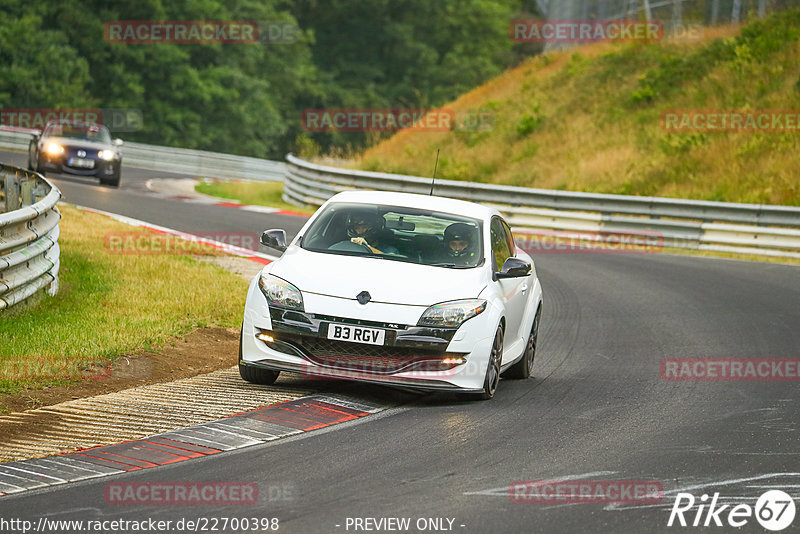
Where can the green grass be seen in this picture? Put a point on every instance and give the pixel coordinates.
(257, 193)
(110, 305)
(589, 119)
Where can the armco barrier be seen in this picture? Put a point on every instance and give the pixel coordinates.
(29, 252)
(197, 163)
(704, 225)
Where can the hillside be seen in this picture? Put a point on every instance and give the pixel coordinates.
(590, 119)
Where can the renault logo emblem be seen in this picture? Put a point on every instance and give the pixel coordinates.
(363, 297)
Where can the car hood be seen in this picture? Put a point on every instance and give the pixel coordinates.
(78, 143)
(388, 281)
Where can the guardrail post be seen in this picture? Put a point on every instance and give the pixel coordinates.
(39, 191)
(12, 192)
(26, 191)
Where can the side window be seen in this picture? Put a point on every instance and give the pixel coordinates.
(501, 249)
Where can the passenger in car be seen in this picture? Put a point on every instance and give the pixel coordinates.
(460, 240)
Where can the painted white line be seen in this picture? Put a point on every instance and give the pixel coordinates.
(775, 487)
(689, 489)
(503, 490)
(259, 209)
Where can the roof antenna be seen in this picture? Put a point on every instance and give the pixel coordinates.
(434, 170)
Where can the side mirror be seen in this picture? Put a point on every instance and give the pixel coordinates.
(274, 239)
(117, 142)
(514, 268)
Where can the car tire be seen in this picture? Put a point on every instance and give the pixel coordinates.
(255, 375)
(492, 377)
(31, 165)
(112, 180)
(524, 367)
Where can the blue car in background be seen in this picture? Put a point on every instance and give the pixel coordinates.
(84, 149)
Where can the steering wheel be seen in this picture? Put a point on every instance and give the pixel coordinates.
(349, 246)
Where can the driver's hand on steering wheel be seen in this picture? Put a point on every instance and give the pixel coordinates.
(359, 241)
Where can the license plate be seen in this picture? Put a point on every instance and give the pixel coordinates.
(80, 162)
(356, 334)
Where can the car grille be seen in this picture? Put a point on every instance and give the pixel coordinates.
(367, 358)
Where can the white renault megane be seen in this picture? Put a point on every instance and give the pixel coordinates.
(394, 288)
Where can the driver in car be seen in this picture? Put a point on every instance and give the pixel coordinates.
(460, 241)
(362, 228)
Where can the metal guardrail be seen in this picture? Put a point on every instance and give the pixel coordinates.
(198, 163)
(705, 225)
(29, 251)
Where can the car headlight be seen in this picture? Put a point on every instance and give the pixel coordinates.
(107, 155)
(280, 293)
(452, 314)
(54, 149)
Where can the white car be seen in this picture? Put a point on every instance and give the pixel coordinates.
(395, 288)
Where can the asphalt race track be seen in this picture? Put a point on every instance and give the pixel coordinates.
(597, 408)
(132, 199)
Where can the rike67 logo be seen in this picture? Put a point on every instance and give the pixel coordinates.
(774, 510)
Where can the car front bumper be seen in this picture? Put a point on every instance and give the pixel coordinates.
(59, 164)
(411, 356)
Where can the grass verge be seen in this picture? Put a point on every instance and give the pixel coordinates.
(257, 193)
(110, 305)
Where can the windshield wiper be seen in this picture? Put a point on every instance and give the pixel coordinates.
(451, 265)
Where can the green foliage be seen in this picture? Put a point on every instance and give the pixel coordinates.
(248, 99)
(672, 144)
(39, 66)
(305, 147)
(530, 122)
(757, 41)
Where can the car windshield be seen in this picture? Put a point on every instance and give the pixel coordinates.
(397, 233)
(84, 132)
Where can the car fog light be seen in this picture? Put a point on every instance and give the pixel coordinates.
(266, 338)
